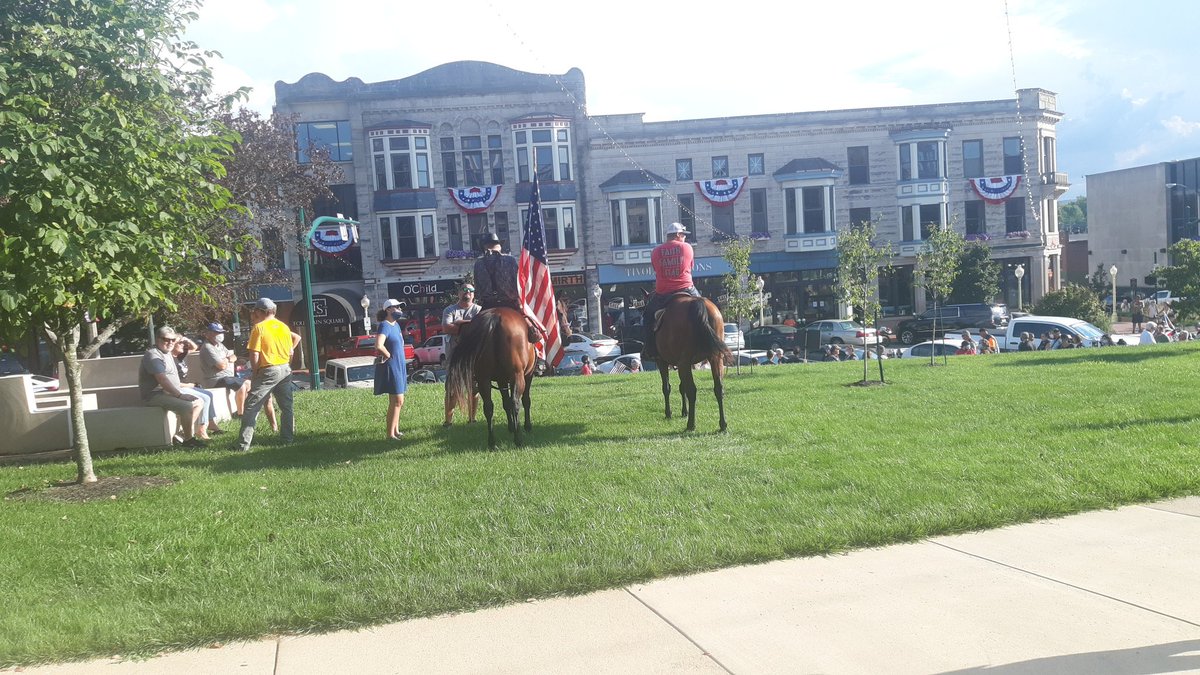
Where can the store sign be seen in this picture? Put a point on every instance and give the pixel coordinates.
(566, 280)
(423, 293)
(712, 266)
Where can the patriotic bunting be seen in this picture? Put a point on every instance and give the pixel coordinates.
(721, 191)
(996, 190)
(475, 199)
(334, 238)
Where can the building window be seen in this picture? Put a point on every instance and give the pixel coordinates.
(472, 160)
(974, 217)
(548, 151)
(687, 215)
(496, 159)
(1014, 159)
(501, 219)
(1014, 214)
(756, 164)
(408, 236)
(449, 172)
(683, 169)
(808, 209)
(860, 216)
(332, 137)
(858, 163)
(923, 159)
(814, 209)
(931, 218)
(720, 166)
(273, 249)
(637, 220)
(559, 222)
(972, 159)
(758, 211)
(722, 220)
(454, 226)
(1049, 160)
(906, 223)
(401, 162)
(477, 224)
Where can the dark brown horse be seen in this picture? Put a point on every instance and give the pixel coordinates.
(690, 332)
(494, 347)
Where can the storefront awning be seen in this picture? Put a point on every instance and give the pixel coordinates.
(714, 266)
(337, 307)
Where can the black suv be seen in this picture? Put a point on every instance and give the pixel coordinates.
(951, 318)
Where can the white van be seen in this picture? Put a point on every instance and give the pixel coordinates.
(356, 372)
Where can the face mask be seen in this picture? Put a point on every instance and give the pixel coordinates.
(220, 338)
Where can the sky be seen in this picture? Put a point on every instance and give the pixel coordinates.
(1121, 69)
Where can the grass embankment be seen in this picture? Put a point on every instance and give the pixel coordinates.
(344, 528)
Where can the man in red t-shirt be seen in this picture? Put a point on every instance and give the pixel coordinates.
(672, 261)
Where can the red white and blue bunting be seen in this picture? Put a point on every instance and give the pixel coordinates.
(721, 191)
(335, 238)
(476, 199)
(997, 189)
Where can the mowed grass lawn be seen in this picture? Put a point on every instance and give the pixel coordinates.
(344, 528)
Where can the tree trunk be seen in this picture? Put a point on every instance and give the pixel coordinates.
(79, 439)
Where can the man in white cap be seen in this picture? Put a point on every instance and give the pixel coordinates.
(270, 345)
(673, 261)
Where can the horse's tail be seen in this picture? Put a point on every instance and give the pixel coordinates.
(708, 338)
(460, 371)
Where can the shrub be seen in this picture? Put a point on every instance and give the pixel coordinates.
(1077, 302)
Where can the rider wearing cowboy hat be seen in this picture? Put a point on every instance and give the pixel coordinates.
(496, 281)
(672, 262)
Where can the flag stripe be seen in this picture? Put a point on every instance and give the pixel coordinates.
(533, 276)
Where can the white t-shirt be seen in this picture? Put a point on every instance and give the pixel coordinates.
(1147, 338)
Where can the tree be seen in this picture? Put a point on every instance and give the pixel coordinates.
(1100, 282)
(1183, 278)
(106, 168)
(978, 278)
(741, 298)
(859, 259)
(937, 263)
(264, 177)
(1072, 215)
(1075, 301)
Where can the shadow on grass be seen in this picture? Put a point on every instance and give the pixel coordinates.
(1122, 424)
(1105, 355)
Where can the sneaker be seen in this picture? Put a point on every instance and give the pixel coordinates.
(194, 442)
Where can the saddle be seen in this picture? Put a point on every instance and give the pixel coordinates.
(656, 323)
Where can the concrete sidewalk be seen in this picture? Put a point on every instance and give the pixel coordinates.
(1104, 592)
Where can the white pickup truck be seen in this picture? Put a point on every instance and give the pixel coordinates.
(1009, 339)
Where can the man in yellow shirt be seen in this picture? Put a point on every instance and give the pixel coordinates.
(271, 345)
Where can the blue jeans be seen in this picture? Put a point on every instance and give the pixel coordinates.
(208, 411)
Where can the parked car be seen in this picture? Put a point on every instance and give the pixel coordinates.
(595, 345)
(354, 372)
(432, 352)
(952, 318)
(942, 346)
(773, 337)
(734, 338)
(1089, 335)
(626, 363)
(360, 345)
(842, 331)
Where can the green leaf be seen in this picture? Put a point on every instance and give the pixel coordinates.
(34, 202)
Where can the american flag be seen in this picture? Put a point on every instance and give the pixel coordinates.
(533, 279)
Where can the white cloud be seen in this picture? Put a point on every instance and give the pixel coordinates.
(1136, 102)
(1180, 127)
(1132, 156)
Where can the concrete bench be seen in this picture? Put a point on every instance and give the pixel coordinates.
(114, 382)
(30, 430)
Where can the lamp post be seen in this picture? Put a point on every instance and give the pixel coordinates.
(366, 303)
(759, 283)
(314, 372)
(598, 326)
(1112, 272)
(1019, 273)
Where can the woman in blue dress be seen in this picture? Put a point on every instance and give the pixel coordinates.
(391, 376)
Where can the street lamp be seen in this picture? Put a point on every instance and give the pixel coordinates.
(759, 283)
(366, 302)
(1112, 272)
(314, 372)
(1019, 273)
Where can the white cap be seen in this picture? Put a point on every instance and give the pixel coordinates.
(391, 302)
(676, 228)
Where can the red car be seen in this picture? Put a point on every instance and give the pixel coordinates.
(361, 345)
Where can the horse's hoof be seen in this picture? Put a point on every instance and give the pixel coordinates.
(724, 427)
(528, 427)
(691, 427)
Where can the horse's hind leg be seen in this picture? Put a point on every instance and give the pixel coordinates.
(510, 407)
(665, 371)
(718, 372)
(525, 401)
(687, 385)
(489, 408)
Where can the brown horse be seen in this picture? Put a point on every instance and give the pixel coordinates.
(690, 332)
(494, 347)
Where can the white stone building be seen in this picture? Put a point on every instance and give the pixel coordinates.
(609, 184)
